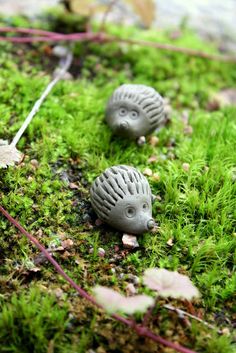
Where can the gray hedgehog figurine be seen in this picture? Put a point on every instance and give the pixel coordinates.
(121, 196)
(134, 110)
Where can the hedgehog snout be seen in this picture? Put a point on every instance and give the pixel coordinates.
(124, 125)
(151, 224)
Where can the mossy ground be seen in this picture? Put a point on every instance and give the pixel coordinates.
(72, 144)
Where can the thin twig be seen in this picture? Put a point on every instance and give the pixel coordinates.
(140, 330)
(106, 14)
(101, 37)
(182, 313)
(149, 312)
(38, 103)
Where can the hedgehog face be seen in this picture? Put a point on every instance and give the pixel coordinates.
(132, 215)
(121, 196)
(134, 110)
(127, 119)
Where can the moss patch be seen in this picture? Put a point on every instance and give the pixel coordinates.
(50, 196)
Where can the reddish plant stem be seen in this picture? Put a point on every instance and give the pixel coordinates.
(45, 36)
(140, 330)
(27, 31)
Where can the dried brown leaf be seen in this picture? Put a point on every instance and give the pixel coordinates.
(145, 9)
(86, 7)
(9, 155)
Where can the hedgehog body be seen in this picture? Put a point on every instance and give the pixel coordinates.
(121, 197)
(134, 110)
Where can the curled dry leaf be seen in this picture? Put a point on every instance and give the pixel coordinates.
(145, 10)
(9, 155)
(114, 302)
(170, 284)
(86, 7)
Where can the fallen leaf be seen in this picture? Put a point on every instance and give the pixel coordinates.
(226, 97)
(86, 7)
(113, 301)
(145, 10)
(9, 155)
(170, 284)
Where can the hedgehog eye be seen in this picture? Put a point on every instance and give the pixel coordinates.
(134, 114)
(122, 111)
(145, 206)
(130, 212)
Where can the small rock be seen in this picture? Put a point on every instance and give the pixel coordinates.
(167, 111)
(133, 278)
(156, 177)
(163, 157)
(98, 222)
(101, 252)
(58, 292)
(60, 51)
(86, 217)
(152, 159)
(170, 242)
(130, 289)
(171, 155)
(130, 241)
(73, 186)
(66, 254)
(226, 97)
(225, 331)
(147, 171)
(67, 243)
(185, 117)
(116, 248)
(186, 167)
(154, 140)
(64, 177)
(171, 142)
(91, 250)
(67, 76)
(34, 163)
(141, 140)
(188, 130)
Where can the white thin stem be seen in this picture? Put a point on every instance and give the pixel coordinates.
(35, 109)
(182, 313)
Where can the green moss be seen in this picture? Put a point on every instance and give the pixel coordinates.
(69, 139)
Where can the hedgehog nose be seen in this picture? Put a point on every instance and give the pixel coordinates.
(124, 125)
(151, 224)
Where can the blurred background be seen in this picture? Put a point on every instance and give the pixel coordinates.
(214, 20)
